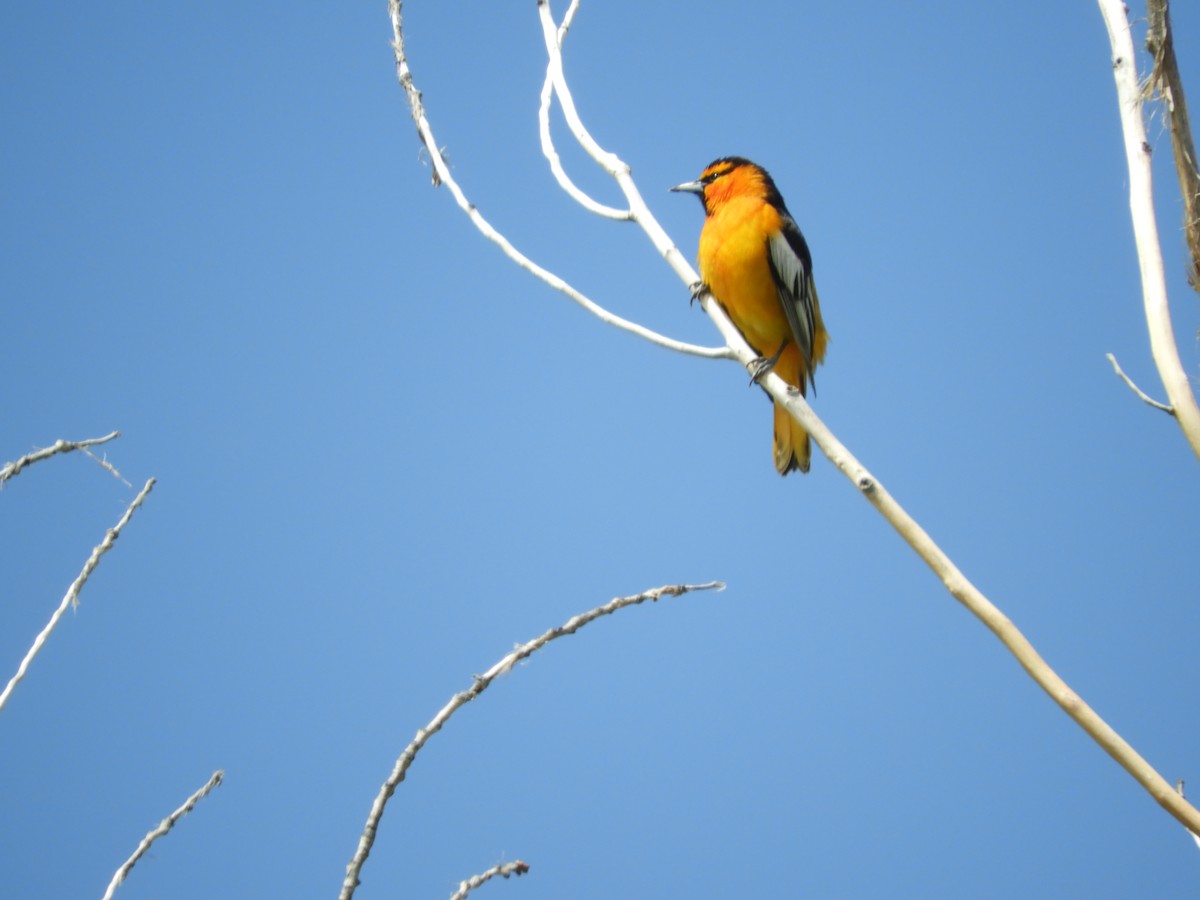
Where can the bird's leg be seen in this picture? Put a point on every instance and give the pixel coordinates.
(698, 289)
(765, 364)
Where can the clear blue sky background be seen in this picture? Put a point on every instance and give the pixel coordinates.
(385, 455)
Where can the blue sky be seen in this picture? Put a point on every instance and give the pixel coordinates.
(385, 455)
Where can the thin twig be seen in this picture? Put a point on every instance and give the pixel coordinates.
(480, 684)
(516, 867)
(163, 827)
(10, 470)
(71, 598)
(404, 75)
(1137, 390)
(102, 462)
(1145, 226)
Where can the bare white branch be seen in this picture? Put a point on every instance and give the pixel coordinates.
(71, 598)
(102, 462)
(1137, 390)
(548, 149)
(556, 166)
(516, 867)
(480, 684)
(568, 21)
(610, 162)
(1145, 226)
(966, 593)
(155, 833)
(955, 581)
(9, 470)
(404, 75)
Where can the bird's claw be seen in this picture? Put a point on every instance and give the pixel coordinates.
(698, 289)
(760, 367)
(764, 364)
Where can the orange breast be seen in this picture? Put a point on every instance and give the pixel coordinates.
(733, 263)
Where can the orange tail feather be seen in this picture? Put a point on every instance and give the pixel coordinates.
(792, 448)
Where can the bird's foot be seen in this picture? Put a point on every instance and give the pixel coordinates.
(764, 364)
(698, 289)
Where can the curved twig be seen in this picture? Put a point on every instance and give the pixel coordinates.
(1137, 390)
(12, 469)
(608, 161)
(480, 684)
(516, 867)
(548, 148)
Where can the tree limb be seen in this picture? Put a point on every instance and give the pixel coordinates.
(1145, 226)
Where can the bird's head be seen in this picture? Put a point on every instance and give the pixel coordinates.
(728, 178)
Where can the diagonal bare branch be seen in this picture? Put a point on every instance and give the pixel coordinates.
(956, 583)
(71, 598)
(162, 828)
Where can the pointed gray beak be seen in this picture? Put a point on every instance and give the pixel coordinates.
(691, 187)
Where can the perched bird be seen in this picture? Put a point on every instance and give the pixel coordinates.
(755, 261)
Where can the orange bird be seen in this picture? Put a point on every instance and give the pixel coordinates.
(755, 261)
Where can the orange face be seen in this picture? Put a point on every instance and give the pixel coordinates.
(727, 179)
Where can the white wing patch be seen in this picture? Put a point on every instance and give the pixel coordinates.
(794, 282)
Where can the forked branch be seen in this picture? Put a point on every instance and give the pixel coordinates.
(443, 176)
(12, 469)
(954, 580)
(1145, 225)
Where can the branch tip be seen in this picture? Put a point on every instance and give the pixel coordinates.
(1150, 401)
